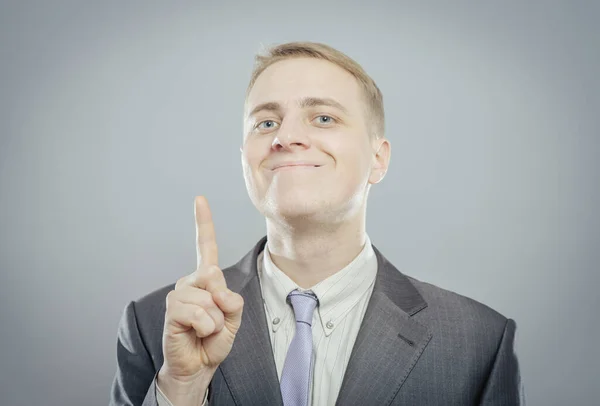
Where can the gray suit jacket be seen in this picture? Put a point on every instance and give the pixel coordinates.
(418, 345)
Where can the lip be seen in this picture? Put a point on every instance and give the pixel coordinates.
(295, 165)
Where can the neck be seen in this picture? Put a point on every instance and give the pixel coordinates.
(312, 253)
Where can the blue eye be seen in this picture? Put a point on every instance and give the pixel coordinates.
(266, 125)
(325, 119)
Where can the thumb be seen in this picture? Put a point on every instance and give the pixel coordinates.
(231, 304)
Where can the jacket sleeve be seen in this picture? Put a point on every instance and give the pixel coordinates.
(504, 386)
(133, 384)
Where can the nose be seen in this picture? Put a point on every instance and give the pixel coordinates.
(290, 137)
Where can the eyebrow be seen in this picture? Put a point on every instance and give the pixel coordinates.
(303, 103)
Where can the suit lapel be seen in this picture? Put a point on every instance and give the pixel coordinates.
(249, 369)
(388, 345)
(389, 342)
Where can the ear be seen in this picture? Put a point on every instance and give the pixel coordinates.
(381, 159)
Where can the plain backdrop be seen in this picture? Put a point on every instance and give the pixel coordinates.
(114, 115)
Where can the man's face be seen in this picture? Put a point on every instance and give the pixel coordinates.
(307, 151)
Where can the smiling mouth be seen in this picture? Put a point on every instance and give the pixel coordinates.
(288, 167)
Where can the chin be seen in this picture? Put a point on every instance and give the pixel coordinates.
(297, 210)
(294, 205)
(291, 204)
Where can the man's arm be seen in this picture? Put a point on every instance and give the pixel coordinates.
(134, 382)
(504, 386)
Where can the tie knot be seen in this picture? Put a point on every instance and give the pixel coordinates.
(304, 304)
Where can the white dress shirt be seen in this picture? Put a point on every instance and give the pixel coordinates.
(343, 299)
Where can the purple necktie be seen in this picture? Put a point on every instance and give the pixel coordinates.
(297, 368)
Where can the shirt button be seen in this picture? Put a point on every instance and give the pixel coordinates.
(276, 320)
(329, 324)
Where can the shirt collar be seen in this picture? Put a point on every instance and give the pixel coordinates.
(337, 294)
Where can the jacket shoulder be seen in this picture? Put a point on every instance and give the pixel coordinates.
(451, 308)
(154, 300)
(148, 314)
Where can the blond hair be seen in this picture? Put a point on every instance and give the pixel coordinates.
(373, 96)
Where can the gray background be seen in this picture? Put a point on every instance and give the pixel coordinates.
(113, 116)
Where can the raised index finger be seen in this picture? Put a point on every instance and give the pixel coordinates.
(206, 242)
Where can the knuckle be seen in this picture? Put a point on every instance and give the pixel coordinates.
(199, 276)
(206, 300)
(200, 312)
(170, 298)
(213, 270)
(183, 281)
(211, 273)
(203, 323)
(198, 293)
(198, 297)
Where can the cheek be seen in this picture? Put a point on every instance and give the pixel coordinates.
(254, 153)
(351, 156)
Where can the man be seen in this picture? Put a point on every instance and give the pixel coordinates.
(313, 314)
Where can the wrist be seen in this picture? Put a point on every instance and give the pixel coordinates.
(188, 391)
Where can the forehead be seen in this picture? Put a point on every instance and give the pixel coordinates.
(289, 80)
